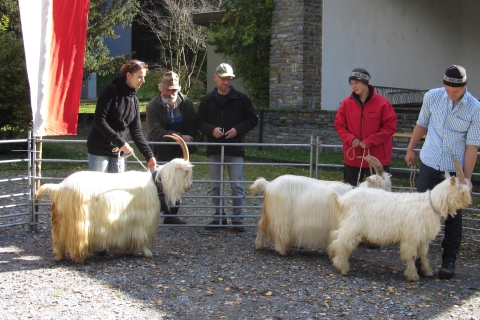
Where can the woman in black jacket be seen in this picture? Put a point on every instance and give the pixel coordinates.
(118, 110)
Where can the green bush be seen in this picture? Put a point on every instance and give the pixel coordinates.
(149, 89)
(16, 114)
(103, 81)
(244, 35)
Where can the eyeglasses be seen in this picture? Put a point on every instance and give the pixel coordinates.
(135, 64)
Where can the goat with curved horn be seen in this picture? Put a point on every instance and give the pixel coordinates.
(374, 163)
(182, 143)
(459, 170)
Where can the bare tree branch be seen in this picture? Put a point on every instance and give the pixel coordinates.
(182, 42)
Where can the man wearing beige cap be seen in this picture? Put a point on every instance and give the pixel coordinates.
(171, 112)
(226, 115)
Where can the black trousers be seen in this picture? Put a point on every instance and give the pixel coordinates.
(350, 174)
(164, 208)
(428, 178)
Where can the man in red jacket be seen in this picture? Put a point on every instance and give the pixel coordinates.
(365, 122)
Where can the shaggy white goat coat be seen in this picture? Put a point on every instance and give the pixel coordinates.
(385, 218)
(297, 210)
(92, 210)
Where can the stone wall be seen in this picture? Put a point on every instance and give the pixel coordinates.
(297, 126)
(296, 54)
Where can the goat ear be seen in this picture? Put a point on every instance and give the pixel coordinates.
(453, 180)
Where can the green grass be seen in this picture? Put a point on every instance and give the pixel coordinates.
(290, 155)
(90, 107)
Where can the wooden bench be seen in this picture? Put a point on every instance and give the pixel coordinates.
(405, 135)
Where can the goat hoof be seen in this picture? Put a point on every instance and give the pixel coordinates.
(147, 253)
(412, 277)
(59, 256)
(428, 274)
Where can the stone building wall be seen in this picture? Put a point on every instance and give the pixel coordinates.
(297, 126)
(296, 54)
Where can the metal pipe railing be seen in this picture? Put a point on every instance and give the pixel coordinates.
(33, 161)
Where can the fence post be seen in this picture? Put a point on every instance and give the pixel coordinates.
(222, 184)
(37, 173)
(260, 128)
(311, 155)
(317, 154)
(31, 189)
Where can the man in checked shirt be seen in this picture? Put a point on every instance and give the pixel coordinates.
(450, 116)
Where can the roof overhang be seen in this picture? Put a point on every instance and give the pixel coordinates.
(206, 18)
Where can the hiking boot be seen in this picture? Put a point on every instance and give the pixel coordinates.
(238, 227)
(173, 220)
(447, 270)
(215, 224)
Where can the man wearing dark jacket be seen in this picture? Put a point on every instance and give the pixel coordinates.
(171, 112)
(226, 115)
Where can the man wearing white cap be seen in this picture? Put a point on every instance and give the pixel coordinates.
(226, 115)
(171, 112)
(450, 116)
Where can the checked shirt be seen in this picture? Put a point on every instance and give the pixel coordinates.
(449, 130)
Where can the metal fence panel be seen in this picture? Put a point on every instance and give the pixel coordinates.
(18, 207)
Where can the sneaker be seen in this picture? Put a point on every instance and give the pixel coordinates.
(238, 227)
(173, 220)
(447, 270)
(215, 224)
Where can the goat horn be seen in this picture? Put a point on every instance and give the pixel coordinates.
(182, 143)
(459, 170)
(374, 163)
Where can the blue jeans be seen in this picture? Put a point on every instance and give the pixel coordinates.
(235, 173)
(106, 164)
(428, 178)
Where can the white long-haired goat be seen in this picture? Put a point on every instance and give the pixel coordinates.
(297, 210)
(92, 210)
(385, 218)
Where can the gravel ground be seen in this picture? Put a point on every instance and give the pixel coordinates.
(199, 274)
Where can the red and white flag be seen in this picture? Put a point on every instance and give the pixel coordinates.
(54, 37)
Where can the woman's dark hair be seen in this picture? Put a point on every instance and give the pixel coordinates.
(132, 66)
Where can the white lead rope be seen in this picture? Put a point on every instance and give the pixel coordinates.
(413, 170)
(361, 164)
(126, 155)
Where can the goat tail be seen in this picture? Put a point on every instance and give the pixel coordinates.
(259, 186)
(45, 189)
